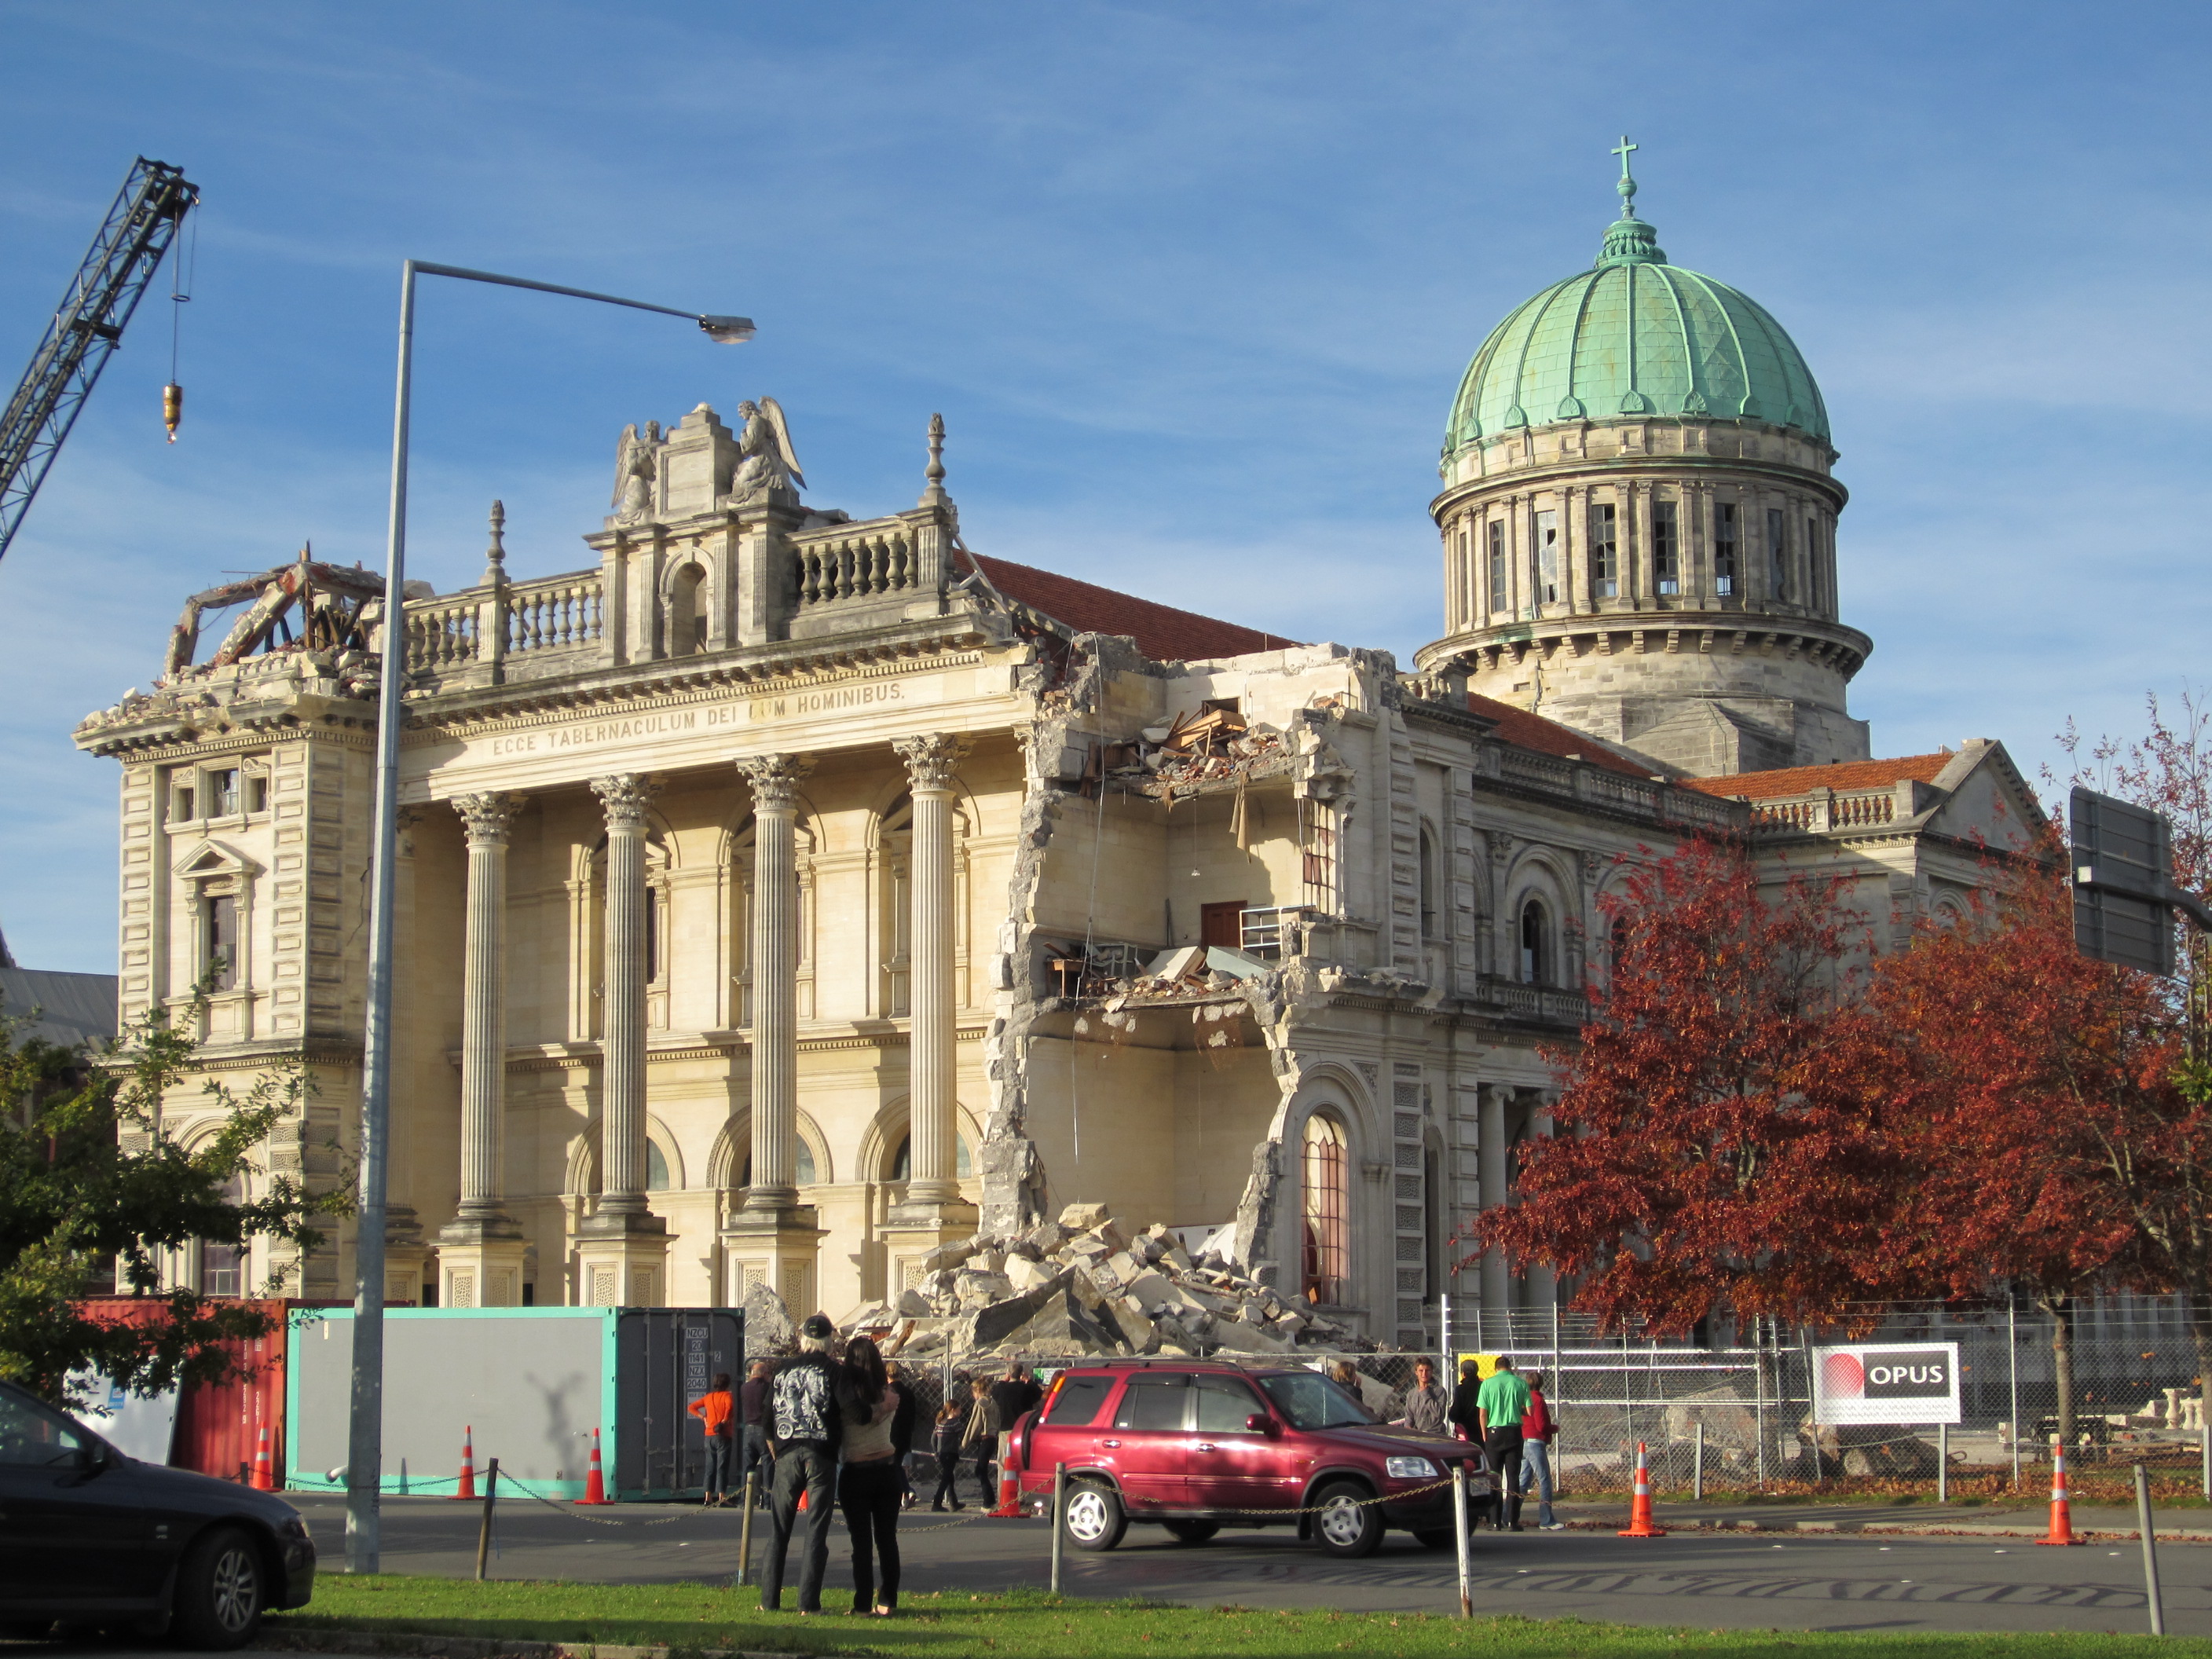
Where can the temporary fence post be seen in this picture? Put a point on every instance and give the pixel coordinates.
(1058, 1531)
(1459, 1533)
(484, 1529)
(2150, 1551)
(1942, 1463)
(1759, 1397)
(746, 1528)
(2204, 1446)
(2012, 1358)
(1443, 1333)
(1698, 1462)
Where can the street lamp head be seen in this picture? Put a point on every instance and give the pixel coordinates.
(727, 330)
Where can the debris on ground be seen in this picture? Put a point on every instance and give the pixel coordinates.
(1084, 1286)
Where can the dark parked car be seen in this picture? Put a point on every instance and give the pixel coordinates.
(90, 1536)
(1192, 1445)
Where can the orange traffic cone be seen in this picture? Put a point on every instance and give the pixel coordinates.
(2061, 1512)
(263, 1479)
(467, 1492)
(1639, 1509)
(1010, 1497)
(802, 1500)
(595, 1480)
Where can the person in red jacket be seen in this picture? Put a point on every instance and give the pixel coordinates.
(714, 1409)
(1538, 1430)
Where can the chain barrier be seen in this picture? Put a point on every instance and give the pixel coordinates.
(559, 1508)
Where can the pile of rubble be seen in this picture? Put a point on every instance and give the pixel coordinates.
(1213, 746)
(1084, 1286)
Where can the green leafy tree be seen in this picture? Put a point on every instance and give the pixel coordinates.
(92, 1180)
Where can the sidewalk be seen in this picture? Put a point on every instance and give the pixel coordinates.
(2008, 1518)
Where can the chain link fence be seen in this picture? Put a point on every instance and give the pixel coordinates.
(1736, 1418)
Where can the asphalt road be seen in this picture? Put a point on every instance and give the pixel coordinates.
(1847, 1583)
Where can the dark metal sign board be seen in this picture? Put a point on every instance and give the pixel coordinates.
(2123, 893)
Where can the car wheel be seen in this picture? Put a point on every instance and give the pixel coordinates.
(1192, 1532)
(221, 1588)
(1434, 1538)
(1345, 1523)
(1094, 1517)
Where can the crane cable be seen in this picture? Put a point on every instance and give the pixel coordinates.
(184, 272)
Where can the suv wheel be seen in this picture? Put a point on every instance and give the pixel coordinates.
(221, 1588)
(1094, 1518)
(1192, 1532)
(1345, 1523)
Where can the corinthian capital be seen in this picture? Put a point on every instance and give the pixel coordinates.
(624, 796)
(775, 779)
(931, 758)
(488, 816)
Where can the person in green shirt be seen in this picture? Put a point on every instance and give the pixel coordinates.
(1499, 1406)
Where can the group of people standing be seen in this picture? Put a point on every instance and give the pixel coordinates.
(835, 1435)
(1504, 1413)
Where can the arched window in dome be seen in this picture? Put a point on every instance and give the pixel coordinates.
(1724, 541)
(1813, 562)
(1604, 550)
(1777, 556)
(1666, 546)
(1500, 599)
(1544, 562)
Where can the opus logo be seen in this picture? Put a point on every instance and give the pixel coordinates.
(1878, 1375)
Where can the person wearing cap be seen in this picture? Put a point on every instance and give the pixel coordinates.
(803, 1429)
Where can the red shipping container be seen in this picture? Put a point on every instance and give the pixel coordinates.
(219, 1424)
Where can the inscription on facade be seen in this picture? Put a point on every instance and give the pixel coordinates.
(677, 722)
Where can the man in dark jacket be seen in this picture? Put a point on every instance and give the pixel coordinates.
(803, 1431)
(1015, 1394)
(752, 1429)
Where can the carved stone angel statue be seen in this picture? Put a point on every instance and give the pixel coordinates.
(637, 464)
(768, 466)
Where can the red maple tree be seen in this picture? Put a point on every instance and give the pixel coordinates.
(1720, 1136)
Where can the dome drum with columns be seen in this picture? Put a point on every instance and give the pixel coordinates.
(1639, 520)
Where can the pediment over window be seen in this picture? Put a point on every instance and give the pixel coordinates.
(213, 858)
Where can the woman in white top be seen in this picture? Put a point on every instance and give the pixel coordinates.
(877, 1419)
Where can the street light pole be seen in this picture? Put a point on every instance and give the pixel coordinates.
(365, 1431)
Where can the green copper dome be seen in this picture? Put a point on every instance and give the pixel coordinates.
(1634, 335)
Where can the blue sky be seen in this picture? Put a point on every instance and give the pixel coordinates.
(1192, 284)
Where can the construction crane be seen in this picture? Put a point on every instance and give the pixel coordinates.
(86, 329)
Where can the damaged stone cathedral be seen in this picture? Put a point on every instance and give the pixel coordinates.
(784, 894)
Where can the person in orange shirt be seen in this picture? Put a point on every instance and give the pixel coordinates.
(714, 1409)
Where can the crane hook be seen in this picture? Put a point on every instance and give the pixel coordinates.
(172, 407)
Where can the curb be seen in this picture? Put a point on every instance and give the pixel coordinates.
(1907, 1529)
(408, 1645)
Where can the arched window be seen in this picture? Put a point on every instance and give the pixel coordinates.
(1325, 1207)
(222, 1268)
(656, 1169)
(687, 611)
(1617, 939)
(1536, 944)
(802, 1174)
(1428, 885)
(902, 1159)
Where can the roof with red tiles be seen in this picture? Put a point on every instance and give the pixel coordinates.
(1162, 632)
(1527, 731)
(1843, 774)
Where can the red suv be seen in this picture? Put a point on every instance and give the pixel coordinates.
(1191, 1444)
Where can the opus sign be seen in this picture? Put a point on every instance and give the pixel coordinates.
(1906, 1382)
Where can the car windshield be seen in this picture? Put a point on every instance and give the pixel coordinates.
(1312, 1401)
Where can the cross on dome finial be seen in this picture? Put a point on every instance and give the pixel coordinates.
(1627, 185)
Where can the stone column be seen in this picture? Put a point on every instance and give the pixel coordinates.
(773, 1238)
(1491, 1160)
(775, 779)
(623, 1245)
(480, 1255)
(931, 1090)
(622, 1107)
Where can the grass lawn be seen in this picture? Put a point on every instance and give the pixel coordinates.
(956, 1624)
